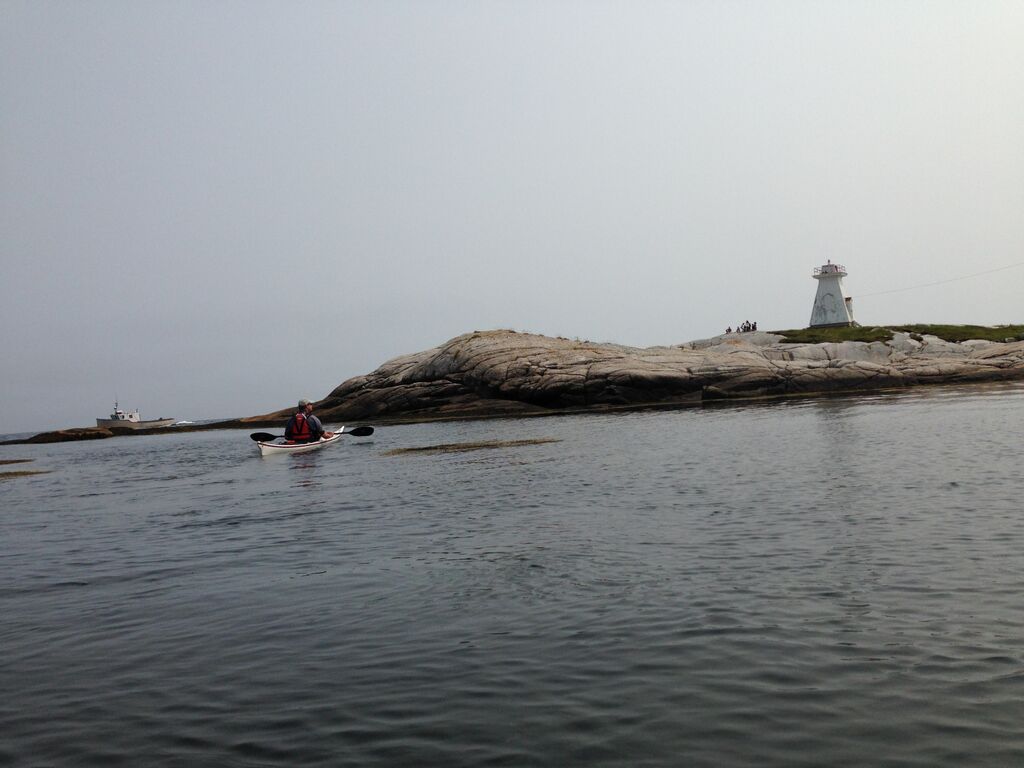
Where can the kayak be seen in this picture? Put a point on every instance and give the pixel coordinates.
(271, 444)
(273, 448)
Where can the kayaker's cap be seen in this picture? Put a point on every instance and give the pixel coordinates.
(303, 403)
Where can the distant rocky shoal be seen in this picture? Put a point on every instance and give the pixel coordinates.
(506, 373)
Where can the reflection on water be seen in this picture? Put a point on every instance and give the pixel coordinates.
(303, 469)
(805, 582)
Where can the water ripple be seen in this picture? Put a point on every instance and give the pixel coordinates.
(805, 583)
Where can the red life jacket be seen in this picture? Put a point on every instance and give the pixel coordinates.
(300, 431)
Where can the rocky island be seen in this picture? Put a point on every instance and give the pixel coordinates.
(509, 373)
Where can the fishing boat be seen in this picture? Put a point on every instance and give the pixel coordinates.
(123, 419)
(271, 445)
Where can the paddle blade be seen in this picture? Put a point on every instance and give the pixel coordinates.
(262, 437)
(358, 431)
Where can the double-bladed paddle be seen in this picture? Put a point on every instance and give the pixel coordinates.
(266, 437)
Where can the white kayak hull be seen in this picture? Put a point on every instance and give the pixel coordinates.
(276, 448)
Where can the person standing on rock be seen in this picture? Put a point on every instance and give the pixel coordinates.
(303, 426)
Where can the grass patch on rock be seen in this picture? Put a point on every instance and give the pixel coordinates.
(843, 333)
(946, 332)
(459, 447)
(965, 332)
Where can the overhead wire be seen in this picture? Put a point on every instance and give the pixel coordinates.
(941, 282)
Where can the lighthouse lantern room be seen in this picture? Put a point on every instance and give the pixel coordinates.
(832, 307)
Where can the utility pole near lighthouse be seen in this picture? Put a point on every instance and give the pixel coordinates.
(832, 307)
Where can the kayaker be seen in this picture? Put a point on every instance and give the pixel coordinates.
(303, 426)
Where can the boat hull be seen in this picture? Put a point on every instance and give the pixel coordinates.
(125, 424)
(277, 449)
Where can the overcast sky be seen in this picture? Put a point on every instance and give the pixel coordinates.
(210, 209)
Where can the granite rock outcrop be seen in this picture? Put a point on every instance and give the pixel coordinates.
(506, 373)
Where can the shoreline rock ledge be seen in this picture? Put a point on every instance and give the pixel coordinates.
(507, 373)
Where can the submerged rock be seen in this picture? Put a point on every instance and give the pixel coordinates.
(506, 373)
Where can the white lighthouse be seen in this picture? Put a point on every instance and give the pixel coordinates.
(832, 307)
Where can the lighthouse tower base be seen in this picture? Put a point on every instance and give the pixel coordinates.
(848, 324)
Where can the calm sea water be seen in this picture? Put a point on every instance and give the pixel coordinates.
(824, 582)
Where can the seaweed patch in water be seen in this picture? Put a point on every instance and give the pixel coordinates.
(15, 461)
(22, 473)
(457, 447)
